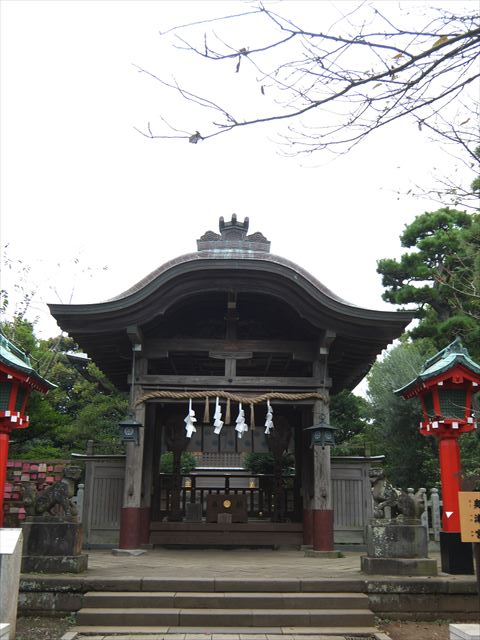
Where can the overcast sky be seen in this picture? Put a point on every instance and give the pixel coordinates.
(92, 206)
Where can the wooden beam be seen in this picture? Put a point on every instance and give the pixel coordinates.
(301, 350)
(224, 355)
(160, 355)
(237, 381)
(135, 336)
(320, 368)
(307, 402)
(326, 340)
(230, 368)
(269, 362)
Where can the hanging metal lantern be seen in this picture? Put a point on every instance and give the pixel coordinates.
(129, 427)
(130, 430)
(322, 434)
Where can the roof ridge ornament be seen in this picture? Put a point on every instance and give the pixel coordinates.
(456, 347)
(233, 230)
(233, 235)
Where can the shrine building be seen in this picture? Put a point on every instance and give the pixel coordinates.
(227, 351)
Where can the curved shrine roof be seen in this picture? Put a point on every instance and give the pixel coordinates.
(232, 260)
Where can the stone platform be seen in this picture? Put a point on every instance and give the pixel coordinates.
(397, 548)
(399, 566)
(410, 598)
(55, 564)
(52, 546)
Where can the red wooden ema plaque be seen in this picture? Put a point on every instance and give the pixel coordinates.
(469, 505)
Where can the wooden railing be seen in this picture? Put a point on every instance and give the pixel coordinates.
(258, 489)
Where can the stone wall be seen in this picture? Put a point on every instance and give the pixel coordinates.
(424, 599)
(20, 473)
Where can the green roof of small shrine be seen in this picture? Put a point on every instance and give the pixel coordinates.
(453, 354)
(15, 358)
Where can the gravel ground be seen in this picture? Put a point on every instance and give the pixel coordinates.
(54, 628)
(416, 630)
(42, 628)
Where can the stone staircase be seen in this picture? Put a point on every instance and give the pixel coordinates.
(307, 607)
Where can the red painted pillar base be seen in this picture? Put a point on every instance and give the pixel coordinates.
(322, 529)
(307, 527)
(3, 470)
(134, 527)
(450, 470)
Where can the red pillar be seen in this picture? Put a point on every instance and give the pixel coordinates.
(450, 469)
(3, 470)
(323, 529)
(130, 528)
(134, 527)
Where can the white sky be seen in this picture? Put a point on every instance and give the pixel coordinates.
(81, 189)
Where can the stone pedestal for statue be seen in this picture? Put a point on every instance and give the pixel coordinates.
(53, 545)
(397, 548)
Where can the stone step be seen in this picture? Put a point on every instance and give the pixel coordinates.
(219, 633)
(132, 617)
(278, 585)
(230, 600)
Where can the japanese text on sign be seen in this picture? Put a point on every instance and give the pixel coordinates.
(469, 504)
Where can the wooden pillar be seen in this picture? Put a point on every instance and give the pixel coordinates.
(321, 503)
(307, 480)
(322, 488)
(134, 516)
(148, 472)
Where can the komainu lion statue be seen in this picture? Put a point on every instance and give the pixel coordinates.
(402, 505)
(55, 500)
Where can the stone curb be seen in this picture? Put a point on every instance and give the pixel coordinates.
(154, 635)
(75, 584)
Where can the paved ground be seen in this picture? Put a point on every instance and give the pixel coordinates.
(55, 629)
(225, 563)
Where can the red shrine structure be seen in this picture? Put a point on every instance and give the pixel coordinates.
(17, 380)
(218, 347)
(446, 386)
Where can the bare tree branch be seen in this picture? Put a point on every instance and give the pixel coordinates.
(338, 86)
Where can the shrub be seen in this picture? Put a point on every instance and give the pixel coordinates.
(264, 462)
(188, 462)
